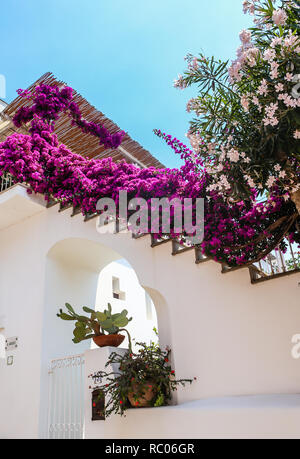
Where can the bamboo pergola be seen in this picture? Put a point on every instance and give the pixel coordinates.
(77, 141)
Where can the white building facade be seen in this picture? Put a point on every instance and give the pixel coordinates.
(235, 337)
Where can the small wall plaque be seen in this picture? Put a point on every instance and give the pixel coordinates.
(11, 343)
(97, 379)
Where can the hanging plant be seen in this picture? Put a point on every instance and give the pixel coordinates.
(144, 379)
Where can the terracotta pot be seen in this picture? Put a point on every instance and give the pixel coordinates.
(146, 399)
(109, 340)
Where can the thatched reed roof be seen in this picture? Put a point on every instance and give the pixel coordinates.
(78, 142)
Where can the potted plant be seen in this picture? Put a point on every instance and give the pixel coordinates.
(95, 325)
(143, 379)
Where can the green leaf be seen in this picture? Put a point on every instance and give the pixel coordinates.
(121, 321)
(78, 340)
(112, 330)
(115, 316)
(82, 318)
(107, 324)
(101, 316)
(79, 332)
(88, 310)
(69, 307)
(65, 316)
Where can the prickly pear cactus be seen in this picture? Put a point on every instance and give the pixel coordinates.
(96, 324)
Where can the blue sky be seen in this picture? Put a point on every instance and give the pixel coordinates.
(121, 55)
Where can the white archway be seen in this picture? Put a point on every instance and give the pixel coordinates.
(72, 273)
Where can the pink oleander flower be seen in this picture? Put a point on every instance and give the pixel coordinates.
(180, 83)
(274, 70)
(223, 183)
(282, 174)
(245, 103)
(270, 182)
(248, 7)
(270, 121)
(263, 88)
(276, 41)
(190, 105)
(245, 36)
(279, 87)
(269, 54)
(250, 181)
(233, 155)
(291, 40)
(255, 101)
(251, 56)
(297, 134)
(195, 140)
(279, 17)
(194, 64)
(234, 71)
(270, 118)
(289, 101)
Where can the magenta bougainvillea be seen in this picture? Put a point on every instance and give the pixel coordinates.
(50, 101)
(236, 233)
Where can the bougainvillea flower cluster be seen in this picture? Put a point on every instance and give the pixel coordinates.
(50, 101)
(235, 233)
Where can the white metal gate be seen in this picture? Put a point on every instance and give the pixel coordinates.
(66, 398)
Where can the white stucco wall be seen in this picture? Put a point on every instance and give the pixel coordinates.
(234, 336)
(270, 416)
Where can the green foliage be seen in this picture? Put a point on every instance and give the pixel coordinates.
(96, 324)
(160, 400)
(149, 367)
(293, 263)
(220, 114)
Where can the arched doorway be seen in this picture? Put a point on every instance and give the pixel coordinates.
(72, 275)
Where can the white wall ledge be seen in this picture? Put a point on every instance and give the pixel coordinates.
(244, 416)
(252, 416)
(16, 204)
